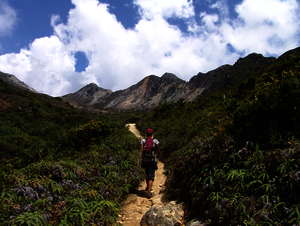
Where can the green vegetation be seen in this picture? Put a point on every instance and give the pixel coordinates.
(59, 165)
(233, 157)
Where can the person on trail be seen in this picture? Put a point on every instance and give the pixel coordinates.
(150, 151)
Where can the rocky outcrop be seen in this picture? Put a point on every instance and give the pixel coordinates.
(170, 214)
(195, 223)
(13, 80)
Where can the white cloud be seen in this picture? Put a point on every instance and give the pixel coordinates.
(8, 17)
(167, 8)
(222, 7)
(119, 57)
(210, 21)
(269, 27)
(46, 65)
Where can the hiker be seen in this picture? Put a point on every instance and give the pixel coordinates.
(150, 151)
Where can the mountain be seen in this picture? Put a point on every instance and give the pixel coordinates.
(154, 90)
(148, 93)
(228, 76)
(87, 95)
(13, 80)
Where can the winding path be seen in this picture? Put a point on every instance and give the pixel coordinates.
(134, 207)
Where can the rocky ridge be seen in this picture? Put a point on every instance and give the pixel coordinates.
(154, 90)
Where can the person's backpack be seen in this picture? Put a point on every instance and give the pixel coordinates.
(148, 150)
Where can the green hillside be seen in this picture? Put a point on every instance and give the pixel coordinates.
(60, 165)
(233, 156)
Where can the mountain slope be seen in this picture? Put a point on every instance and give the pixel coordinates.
(153, 90)
(60, 165)
(13, 80)
(148, 93)
(228, 76)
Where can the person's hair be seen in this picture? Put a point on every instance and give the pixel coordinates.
(149, 134)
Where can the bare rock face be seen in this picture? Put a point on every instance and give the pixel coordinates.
(170, 214)
(13, 80)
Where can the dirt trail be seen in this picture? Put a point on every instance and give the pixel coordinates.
(134, 207)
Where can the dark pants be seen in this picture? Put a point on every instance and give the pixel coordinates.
(150, 168)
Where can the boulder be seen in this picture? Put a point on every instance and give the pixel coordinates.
(170, 214)
(194, 223)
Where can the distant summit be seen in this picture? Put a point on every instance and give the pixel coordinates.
(171, 77)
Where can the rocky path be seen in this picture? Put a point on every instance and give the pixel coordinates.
(135, 206)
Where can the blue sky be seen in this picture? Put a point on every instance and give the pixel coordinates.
(58, 46)
(33, 21)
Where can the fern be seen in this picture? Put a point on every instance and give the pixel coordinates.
(29, 219)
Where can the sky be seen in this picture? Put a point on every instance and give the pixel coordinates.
(59, 46)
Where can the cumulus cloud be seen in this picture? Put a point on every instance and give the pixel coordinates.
(166, 8)
(222, 7)
(269, 28)
(8, 17)
(119, 57)
(46, 65)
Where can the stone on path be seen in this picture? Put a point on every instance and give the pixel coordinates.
(170, 214)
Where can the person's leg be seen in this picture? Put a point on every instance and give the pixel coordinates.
(150, 184)
(151, 174)
(147, 172)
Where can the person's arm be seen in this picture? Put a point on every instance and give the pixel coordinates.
(142, 145)
(157, 150)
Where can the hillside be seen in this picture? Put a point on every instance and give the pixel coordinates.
(153, 90)
(233, 155)
(14, 81)
(60, 165)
